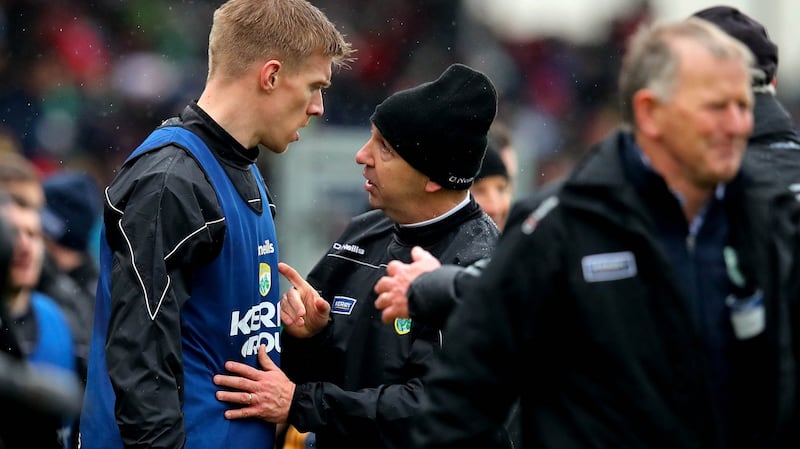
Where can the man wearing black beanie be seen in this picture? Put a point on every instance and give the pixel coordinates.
(358, 381)
(440, 127)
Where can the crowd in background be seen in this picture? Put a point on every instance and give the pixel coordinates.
(82, 82)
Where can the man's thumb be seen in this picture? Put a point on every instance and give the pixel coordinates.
(418, 253)
(264, 359)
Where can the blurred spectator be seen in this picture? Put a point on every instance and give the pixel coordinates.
(70, 273)
(492, 187)
(25, 398)
(36, 321)
(7, 233)
(501, 138)
(19, 179)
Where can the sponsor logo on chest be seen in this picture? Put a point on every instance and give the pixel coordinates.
(343, 305)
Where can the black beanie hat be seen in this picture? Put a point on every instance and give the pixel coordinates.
(492, 165)
(72, 206)
(749, 32)
(440, 127)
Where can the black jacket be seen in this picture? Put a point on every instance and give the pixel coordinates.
(774, 146)
(616, 363)
(360, 380)
(433, 295)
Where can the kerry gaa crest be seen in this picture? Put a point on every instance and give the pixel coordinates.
(402, 325)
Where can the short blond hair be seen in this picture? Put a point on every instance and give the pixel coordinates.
(245, 32)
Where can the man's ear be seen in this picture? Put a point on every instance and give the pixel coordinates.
(432, 186)
(647, 110)
(268, 76)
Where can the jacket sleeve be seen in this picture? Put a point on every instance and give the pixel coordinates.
(433, 295)
(476, 376)
(156, 221)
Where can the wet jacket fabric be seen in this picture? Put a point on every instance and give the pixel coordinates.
(433, 295)
(188, 280)
(585, 291)
(774, 146)
(360, 380)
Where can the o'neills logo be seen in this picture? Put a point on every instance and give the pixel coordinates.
(348, 247)
(266, 248)
(458, 180)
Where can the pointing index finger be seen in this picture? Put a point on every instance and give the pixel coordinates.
(291, 274)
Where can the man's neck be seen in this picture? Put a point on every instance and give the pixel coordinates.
(693, 197)
(443, 212)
